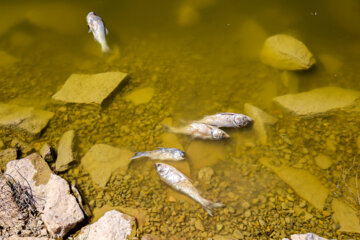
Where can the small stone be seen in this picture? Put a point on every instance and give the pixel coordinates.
(237, 234)
(199, 226)
(245, 205)
(65, 151)
(48, 153)
(247, 213)
(205, 174)
(323, 161)
(219, 227)
(141, 96)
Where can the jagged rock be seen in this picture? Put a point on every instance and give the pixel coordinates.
(65, 151)
(286, 52)
(323, 161)
(305, 185)
(346, 216)
(23, 119)
(48, 153)
(141, 96)
(10, 215)
(6, 60)
(59, 209)
(317, 101)
(262, 121)
(7, 155)
(102, 160)
(114, 225)
(89, 88)
(25, 148)
(306, 236)
(199, 158)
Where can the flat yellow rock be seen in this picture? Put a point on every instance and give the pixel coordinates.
(286, 52)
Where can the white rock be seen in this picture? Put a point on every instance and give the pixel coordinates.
(306, 236)
(102, 160)
(26, 119)
(317, 101)
(89, 88)
(114, 225)
(65, 151)
(60, 211)
(286, 52)
(262, 121)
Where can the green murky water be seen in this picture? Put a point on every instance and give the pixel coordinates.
(199, 57)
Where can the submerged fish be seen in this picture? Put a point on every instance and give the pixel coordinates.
(97, 27)
(227, 120)
(181, 183)
(201, 130)
(162, 154)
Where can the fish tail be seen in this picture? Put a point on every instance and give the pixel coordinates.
(105, 48)
(209, 205)
(172, 129)
(138, 155)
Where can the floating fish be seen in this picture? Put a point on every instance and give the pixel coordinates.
(181, 183)
(162, 153)
(201, 130)
(227, 120)
(97, 27)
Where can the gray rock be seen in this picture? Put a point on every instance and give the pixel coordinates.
(114, 225)
(59, 209)
(323, 161)
(346, 216)
(262, 121)
(65, 151)
(48, 153)
(306, 236)
(102, 160)
(305, 185)
(89, 88)
(317, 101)
(7, 155)
(24, 119)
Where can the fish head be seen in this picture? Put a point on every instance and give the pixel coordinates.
(179, 154)
(242, 120)
(217, 133)
(89, 16)
(161, 168)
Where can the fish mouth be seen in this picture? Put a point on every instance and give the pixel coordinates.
(225, 135)
(157, 165)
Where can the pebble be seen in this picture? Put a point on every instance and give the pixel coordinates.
(199, 226)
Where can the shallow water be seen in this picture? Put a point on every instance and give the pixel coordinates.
(199, 57)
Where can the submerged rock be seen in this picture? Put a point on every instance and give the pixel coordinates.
(24, 148)
(262, 121)
(305, 185)
(59, 209)
(24, 119)
(323, 161)
(65, 151)
(141, 96)
(114, 225)
(317, 101)
(205, 174)
(6, 60)
(7, 155)
(286, 52)
(48, 153)
(346, 216)
(102, 160)
(89, 88)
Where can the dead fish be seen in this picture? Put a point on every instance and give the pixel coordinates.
(201, 130)
(227, 119)
(181, 183)
(162, 153)
(98, 29)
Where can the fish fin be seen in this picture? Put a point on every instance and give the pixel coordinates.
(171, 129)
(105, 48)
(138, 155)
(106, 31)
(209, 205)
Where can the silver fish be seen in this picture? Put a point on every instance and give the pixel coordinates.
(162, 154)
(97, 27)
(181, 183)
(227, 120)
(201, 130)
